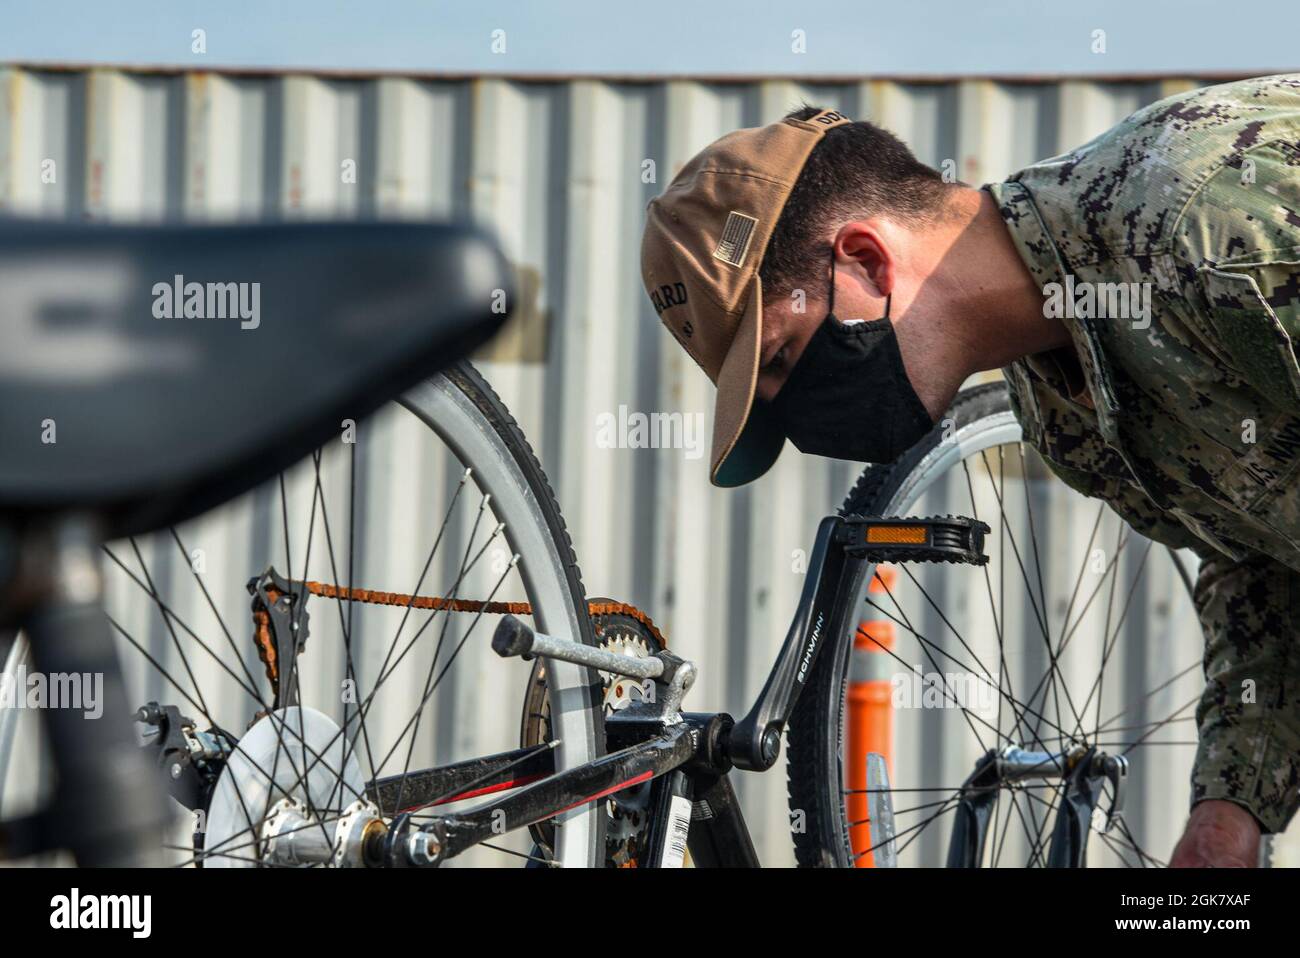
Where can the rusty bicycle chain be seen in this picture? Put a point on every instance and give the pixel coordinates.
(266, 648)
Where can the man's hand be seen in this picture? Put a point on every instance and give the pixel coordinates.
(1219, 834)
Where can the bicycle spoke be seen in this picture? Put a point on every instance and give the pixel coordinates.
(1044, 700)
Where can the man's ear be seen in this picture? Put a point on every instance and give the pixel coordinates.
(861, 242)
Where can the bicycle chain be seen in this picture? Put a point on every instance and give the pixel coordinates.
(265, 644)
(371, 597)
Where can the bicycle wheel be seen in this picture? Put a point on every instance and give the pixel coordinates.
(393, 553)
(1077, 641)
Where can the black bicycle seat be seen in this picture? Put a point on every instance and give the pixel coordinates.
(150, 373)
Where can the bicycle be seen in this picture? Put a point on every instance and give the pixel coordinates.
(608, 769)
(349, 325)
(689, 756)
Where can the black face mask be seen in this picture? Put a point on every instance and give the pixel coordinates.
(848, 396)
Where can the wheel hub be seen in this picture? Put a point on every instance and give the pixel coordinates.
(286, 797)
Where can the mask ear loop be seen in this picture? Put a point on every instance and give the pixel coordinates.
(830, 310)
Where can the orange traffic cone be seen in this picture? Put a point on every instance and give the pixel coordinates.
(870, 718)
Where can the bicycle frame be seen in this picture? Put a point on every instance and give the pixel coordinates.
(688, 756)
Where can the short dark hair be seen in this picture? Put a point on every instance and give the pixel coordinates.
(855, 171)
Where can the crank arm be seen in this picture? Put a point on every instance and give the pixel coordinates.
(515, 638)
(842, 545)
(672, 676)
(755, 741)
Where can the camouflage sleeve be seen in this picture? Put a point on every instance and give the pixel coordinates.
(1249, 715)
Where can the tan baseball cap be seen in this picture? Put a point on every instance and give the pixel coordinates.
(705, 237)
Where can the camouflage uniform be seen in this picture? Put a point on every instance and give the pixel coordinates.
(1189, 427)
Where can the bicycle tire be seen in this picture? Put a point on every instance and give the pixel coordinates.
(465, 412)
(815, 737)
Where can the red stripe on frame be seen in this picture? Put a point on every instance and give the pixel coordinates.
(643, 777)
(485, 790)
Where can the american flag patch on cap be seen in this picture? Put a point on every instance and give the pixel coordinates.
(736, 234)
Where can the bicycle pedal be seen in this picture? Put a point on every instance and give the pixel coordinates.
(934, 539)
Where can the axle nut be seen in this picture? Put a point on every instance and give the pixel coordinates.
(423, 848)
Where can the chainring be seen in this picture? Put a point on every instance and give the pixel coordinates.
(627, 632)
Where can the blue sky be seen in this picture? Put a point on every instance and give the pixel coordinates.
(633, 37)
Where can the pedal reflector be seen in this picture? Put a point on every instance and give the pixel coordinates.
(880, 812)
(907, 535)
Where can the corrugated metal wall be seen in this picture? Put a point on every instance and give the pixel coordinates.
(559, 170)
